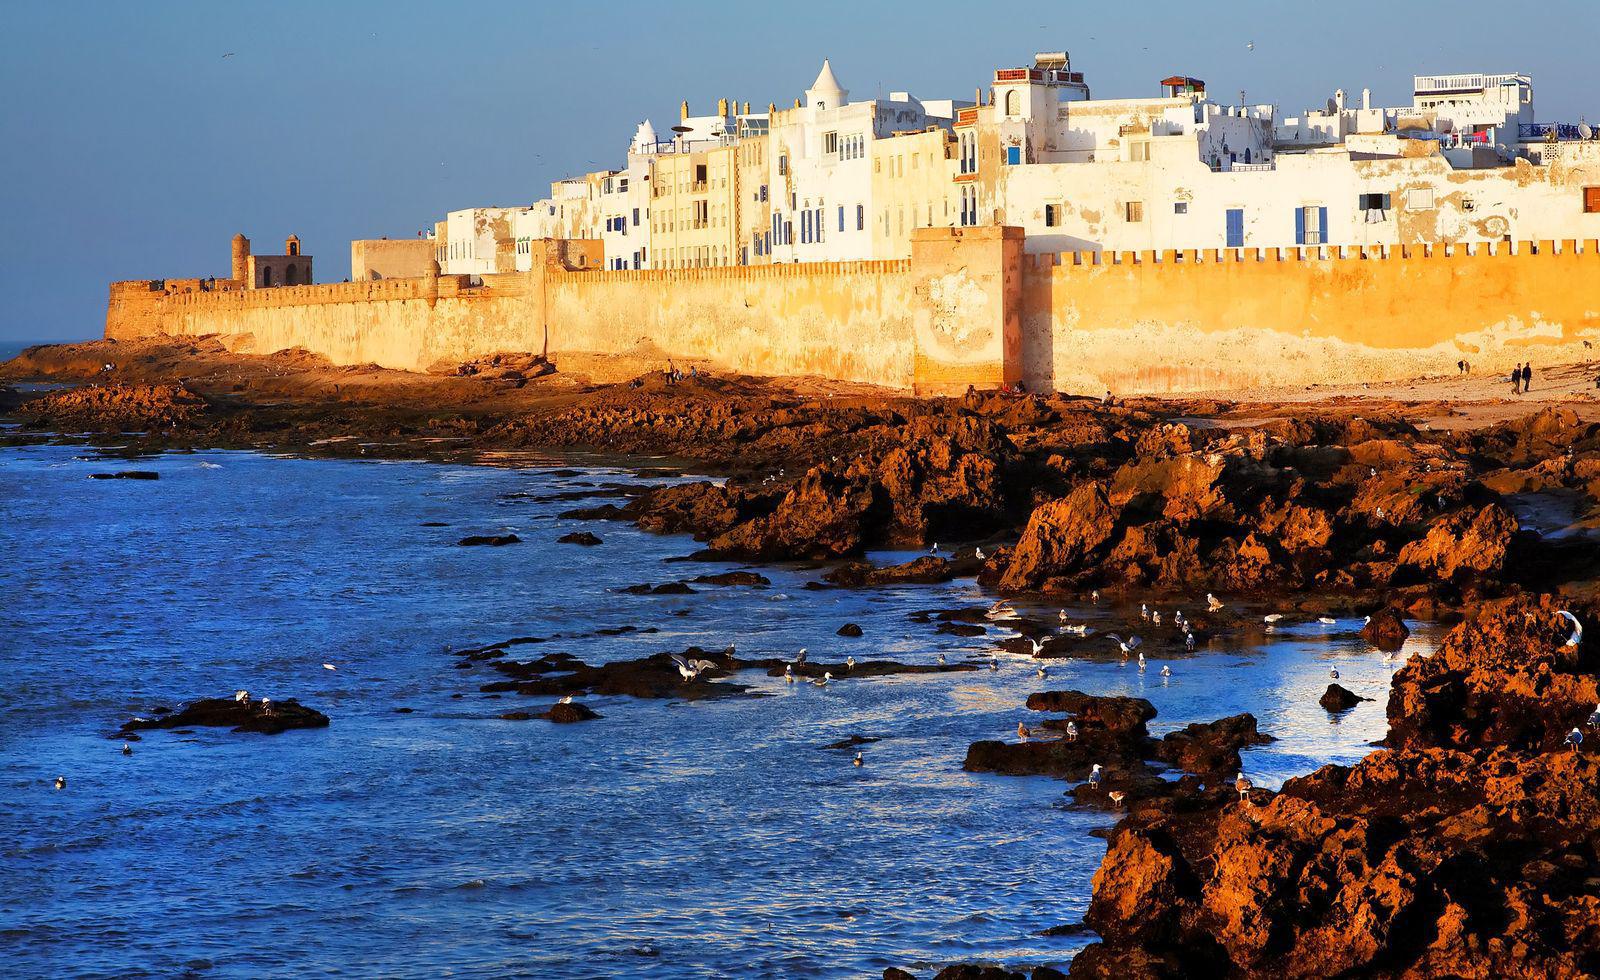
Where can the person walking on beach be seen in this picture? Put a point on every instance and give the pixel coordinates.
(1527, 377)
(1461, 367)
(1516, 379)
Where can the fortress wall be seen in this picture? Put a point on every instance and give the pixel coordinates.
(1219, 319)
(844, 320)
(968, 308)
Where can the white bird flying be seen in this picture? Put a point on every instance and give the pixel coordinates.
(1038, 647)
(1128, 646)
(1577, 628)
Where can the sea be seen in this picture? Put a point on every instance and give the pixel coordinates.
(669, 838)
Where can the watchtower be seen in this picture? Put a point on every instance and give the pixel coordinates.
(241, 258)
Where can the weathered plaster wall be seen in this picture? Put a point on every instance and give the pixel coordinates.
(1142, 322)
(968, 287)
(390, 258)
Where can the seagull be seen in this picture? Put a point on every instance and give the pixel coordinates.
(1072, 731)
(935, 549)
(1094, 596)
(1094, 776)
(1577, 628)
(241, 697)
(1188, 640)
(1333, 672)
(788, 674)
(1243, 785)
(1166, 671)
(1250, 45)
(691, 669)
(1574, 739)
(127, 749)
(61, 782)
(826, 677)
(227, 56)
(994, 663)
(857, 760)
(941, 660)
(565, 700)
(1144, 612)
(329, 667)
(977, 553)
(266, 706)
(1061, 615)
(1213, 604)
(800, 657)
(1271, 617)
(1076, 629)
(1326, 620)
(1117, 796)
(1022, 731)
(1594, 719)
(850, 662)
(1043, 673)
(1038, 647)
(1128, 646)
(1155, 617)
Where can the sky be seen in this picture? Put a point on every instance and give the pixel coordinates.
(137, 138)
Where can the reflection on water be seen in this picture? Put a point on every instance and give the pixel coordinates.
(673, 839)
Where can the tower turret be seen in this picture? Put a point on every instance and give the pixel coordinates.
(241, 258)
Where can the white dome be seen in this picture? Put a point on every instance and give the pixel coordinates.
(826, 92)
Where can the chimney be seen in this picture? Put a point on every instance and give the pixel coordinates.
(722, 108)
(683, 110)
(1366, 98)
(747, 108)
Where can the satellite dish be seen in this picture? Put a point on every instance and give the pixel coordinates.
(1584, 131)
(683, 129)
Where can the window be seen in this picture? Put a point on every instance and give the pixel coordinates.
(763, 193)
(1139, 151)
(830, 143)
(1180, 207)
(1052, 215)
(1311, 225)
(1013, 155)
(783, 164)
(1419, 199)
(1372, 202)
(861, 217)
(841, 217)
(1591, 200)
(636, 217)
(1235, 227)
(1134, 211)
(1468, 204)
(1013, 103)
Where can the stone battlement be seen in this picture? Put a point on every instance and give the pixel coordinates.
(967, 308)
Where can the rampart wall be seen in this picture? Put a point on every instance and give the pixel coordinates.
(968, 308)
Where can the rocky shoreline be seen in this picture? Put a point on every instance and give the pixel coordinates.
(1468, 845)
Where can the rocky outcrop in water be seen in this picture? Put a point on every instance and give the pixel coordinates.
(261, 715)
(1470, 847)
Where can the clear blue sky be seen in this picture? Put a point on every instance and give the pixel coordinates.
(133, 149)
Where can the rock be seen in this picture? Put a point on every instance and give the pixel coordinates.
(256, 715)
(1114, 713)
(848, 629)
(665, 588)
(566, 714)
(852, 742)
(1337, 699)
(126, 475)
(1211, 748)
(1386, 630)
(927, 570)
(1465, 542)
(1062, 537)
(115, 407)
(517, 716)
(971, 971)
(895, 973)
(491, 540)
(585, 538)
(735, 578)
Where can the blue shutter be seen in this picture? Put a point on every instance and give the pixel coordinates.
(841, 217)
(1299, 226)
(1322, 224)
(1236, 228)
(1013, 155)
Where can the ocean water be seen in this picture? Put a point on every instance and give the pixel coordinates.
(667, 839)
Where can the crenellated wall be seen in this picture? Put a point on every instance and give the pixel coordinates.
(969, 307)
(1233, 318)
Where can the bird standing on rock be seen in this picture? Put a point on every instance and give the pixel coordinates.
(1594, 718)
(1144, 612)
(1575, 738)
(1094, 776)
(241, 697)
(850, 662)
(1117, 796)
(977, 553)
(1333, 672)
(1244, 786)
(1022, 731)
(1072, 731)
(800, 657)
(1213, 603)
(1038, 647)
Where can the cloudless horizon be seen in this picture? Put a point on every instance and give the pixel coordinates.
(141, 137)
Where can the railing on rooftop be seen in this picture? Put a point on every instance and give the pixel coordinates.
(1530, 132)
(1451, 83)
(1050, 76)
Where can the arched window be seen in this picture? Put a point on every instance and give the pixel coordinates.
(288, 275)
(1013, 103)
(294, 247)
(266, 275)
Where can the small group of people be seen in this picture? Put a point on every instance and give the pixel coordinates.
(673, 375)
(1521, 378)
(1463, 366)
